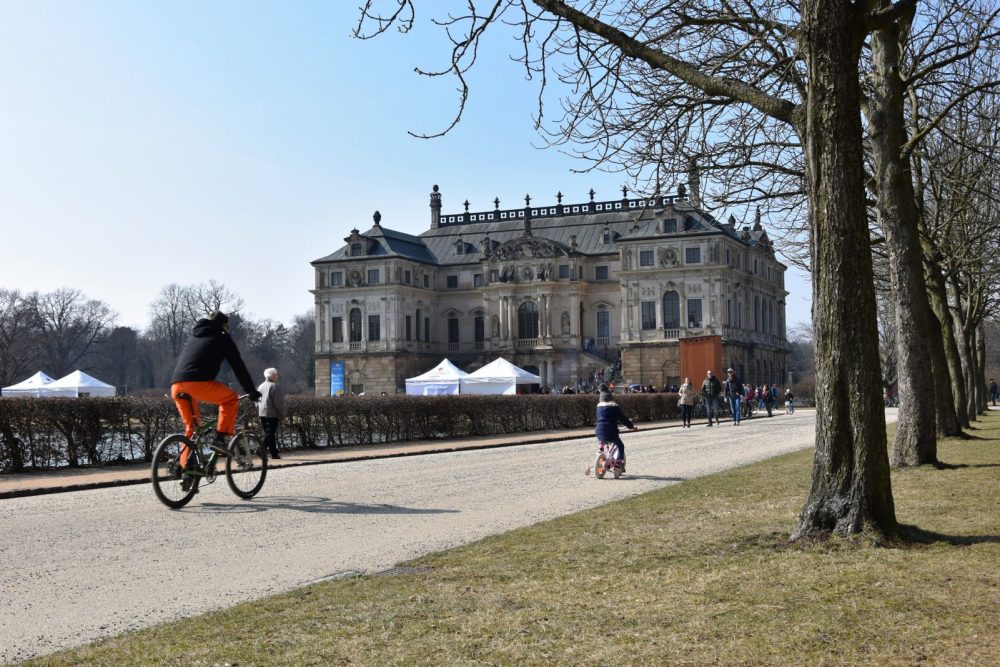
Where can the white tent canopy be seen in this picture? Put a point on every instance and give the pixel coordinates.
(37, 385)
(497, 377)
(442, 379)
(79, 383)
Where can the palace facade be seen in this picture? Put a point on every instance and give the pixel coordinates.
(559, 290)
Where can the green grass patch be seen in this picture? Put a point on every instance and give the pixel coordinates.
(696, 573)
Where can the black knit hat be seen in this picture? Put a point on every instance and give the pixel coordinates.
(219, 317)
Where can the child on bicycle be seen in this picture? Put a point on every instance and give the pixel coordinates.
(609, 414)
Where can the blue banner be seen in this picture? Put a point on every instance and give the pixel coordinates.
(336, 378)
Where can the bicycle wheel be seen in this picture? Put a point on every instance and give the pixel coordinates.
(168, 482)
(600, 466)
(246, 465)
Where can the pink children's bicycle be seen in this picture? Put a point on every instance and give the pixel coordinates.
(607, 459)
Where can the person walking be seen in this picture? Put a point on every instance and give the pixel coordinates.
(194, 375)
(271, 409)
(734, 394)
(686, 401)
(770, 396)
(789, 401)
(994, 391)
(711, 388)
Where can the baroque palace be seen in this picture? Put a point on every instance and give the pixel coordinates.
(559, 290)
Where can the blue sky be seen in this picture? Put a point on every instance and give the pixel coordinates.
(149, 143)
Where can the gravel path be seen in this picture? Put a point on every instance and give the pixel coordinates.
(79, 566)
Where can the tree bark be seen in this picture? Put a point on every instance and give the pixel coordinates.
(968, 366)
(916, 433)
(939, 302)
(945, 416)
(851, 490)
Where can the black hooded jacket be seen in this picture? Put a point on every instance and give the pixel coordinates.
(203, 354)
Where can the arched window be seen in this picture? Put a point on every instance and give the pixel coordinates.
(355, 323)
(527, 320)
(671, 310)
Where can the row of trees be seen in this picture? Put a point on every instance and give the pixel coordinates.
(866, 129)
(64, 330)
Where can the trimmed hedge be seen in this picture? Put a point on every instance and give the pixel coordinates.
(42, 433)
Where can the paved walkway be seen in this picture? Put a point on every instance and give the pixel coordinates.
(79, 479)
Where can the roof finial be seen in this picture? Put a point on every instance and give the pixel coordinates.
(466, 205)
(496, 203)
(377, 218)
(527, 200)
(559, 196)
(624, 192)
(756, 224)
(592, 193)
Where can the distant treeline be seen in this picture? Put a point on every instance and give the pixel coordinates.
(63, 331)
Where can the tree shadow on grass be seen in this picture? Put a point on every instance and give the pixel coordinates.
(655, 478)
(313, 505)
(915, 535)
(940, 465)
(965, 435)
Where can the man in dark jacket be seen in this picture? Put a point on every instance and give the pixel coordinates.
(734, 394)
(710, 390)
(197, 367)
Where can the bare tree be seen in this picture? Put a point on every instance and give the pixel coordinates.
(70, 327)
(736, 55)
(18, 346)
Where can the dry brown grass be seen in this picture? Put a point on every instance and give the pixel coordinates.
(699, 573)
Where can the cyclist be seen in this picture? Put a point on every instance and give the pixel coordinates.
(609, 414)
(198, 365)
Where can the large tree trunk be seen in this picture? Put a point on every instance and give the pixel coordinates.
(916, 433)
(939, 302)
(946, 417)
(850, 490)
(968, 408)
(980, 351)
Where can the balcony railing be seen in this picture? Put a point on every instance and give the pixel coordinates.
(453, 347)
(526, 343)
(671, 334)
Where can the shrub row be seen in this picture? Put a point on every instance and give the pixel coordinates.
(41, 433)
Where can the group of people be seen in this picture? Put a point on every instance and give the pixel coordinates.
(733, 392)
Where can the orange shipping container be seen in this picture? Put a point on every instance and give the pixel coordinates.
(699, 355)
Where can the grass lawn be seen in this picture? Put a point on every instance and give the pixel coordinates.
(697, 573)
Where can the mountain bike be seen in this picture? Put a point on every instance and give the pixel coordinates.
(246, 461)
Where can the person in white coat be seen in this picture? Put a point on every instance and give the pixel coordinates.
(271, 410)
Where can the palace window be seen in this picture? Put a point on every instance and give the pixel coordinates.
(601, 273)
(477, 280)
(527, 320)
(337, 330)
(373, 277)
(648, 315)
(355, 325)
(452, 282)
(671, 310)
(694, 313)
(407, 277)
(357, 250)
(564, 272)
(409, 328)
(692, 255)
(645, 258)
(453, 330)
(336, 278)
(374, 330)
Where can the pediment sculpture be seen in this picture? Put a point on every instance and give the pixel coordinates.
(528, 248)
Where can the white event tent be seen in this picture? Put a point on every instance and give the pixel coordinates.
(38, 385)
(442, 379)
(78, 384)
(497, 377)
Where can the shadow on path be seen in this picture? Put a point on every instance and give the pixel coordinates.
(312, 505)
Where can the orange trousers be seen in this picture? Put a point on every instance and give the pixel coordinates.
(210, 392)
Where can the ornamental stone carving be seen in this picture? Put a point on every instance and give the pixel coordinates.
(564, 321)
(528, 248)
(668, 257)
